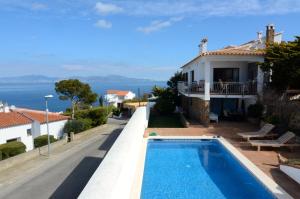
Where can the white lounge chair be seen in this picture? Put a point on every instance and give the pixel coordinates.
(281, 141)
(263, 132)
(213, 117)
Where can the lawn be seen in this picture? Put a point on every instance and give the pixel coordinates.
(165, 121)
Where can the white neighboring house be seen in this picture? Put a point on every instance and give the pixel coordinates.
(225, 80)
(116, 97)
(25, 124)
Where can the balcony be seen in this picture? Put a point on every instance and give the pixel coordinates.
(219, 88)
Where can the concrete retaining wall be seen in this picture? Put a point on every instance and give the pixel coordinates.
(19, 159)
(113, 179)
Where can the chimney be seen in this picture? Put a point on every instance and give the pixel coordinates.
(6, 108)
(270, 33)
(259, 36)
(203, 46)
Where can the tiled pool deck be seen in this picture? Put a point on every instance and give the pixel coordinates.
(266, 159)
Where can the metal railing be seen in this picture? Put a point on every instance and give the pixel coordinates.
(220, 88)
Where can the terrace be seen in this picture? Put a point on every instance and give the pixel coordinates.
(219, 88)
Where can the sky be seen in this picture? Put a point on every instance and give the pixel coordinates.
(133, 38)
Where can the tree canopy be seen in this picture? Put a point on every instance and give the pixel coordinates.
(284, 61)
(165, 103)
(75, 91)
(167, 97)
(172, 83)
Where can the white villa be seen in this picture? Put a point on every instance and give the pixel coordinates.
(25, 124)
(116, 97)
(226, 80)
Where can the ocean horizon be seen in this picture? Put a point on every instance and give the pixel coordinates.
(31, 95)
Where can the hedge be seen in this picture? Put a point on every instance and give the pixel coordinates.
(78, 125)
(11, 149)
(97, 115)
(43, 140)
(88, 118)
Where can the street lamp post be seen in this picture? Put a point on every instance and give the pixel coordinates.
(47, 121)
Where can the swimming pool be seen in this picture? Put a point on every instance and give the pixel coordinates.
(201, 168)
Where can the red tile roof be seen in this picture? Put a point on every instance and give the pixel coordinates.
(235, 51)
(117, 92)
(40, 116)
(247, 49)
(13, 119)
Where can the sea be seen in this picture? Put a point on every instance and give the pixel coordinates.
(31, 95)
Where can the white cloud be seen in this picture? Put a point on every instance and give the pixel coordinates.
(103, 24)
(158, 25)
(38, 6)
(107, 8)
(207, 8)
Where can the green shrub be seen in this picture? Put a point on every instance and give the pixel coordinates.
(43, 140)
(78, 125)
(255, 110)
(98, 116)
(82, 114)
(11, 149)
(164, 106)
(116, 111)
(165, 102)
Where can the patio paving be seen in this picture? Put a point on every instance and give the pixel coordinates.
(266, 159)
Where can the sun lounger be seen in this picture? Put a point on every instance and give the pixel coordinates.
(280, 142)
(263, 132)
(213, 117)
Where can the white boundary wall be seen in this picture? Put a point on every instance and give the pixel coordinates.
(115, 175)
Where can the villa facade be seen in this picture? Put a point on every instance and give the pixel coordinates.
(116, 97)
(25, 124)
(227, 80)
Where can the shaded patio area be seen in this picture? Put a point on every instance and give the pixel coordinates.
(266, 159)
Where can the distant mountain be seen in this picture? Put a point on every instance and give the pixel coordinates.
(28, 79)
(101, 79)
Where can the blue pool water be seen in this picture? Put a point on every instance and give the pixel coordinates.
(182, 169)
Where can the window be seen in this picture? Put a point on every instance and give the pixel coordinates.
(192, 75)
(12, 140)
(29, 132)
(185, 77)
(252, 71)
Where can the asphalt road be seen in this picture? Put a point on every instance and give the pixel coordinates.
(67, 174)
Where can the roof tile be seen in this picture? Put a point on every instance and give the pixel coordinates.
(13, 119)
(118, 92)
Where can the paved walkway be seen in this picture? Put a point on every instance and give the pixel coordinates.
(266, 159)
(66, 172)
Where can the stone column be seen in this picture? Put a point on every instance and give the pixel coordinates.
(200, 111)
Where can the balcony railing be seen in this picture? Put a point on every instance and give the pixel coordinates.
(220, 88)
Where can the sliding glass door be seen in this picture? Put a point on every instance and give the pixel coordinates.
(226, 74)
